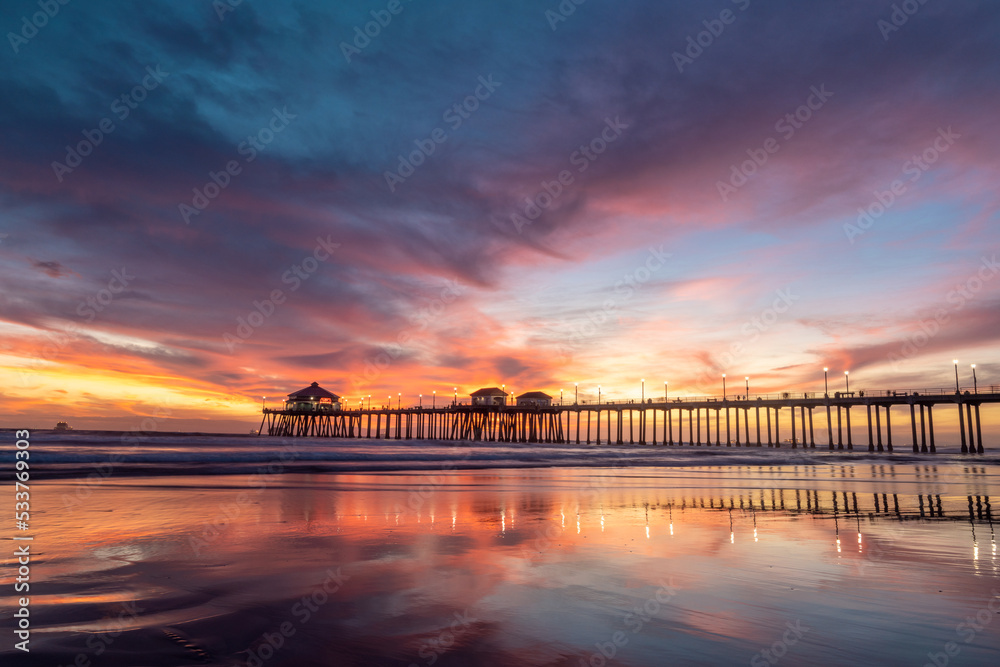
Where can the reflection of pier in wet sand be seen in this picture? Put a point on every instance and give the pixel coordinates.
(658, 422)
(847, 509)
(975, 508)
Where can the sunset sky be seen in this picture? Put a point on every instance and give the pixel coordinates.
(482, 194)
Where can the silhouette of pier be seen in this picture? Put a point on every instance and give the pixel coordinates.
(784, 420)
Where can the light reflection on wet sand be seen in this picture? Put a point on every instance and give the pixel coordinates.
(861, 564)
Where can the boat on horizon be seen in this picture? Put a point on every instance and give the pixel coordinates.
(62, 426)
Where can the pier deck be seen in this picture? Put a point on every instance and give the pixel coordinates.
(631, 422)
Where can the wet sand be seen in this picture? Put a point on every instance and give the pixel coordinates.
(801, 565)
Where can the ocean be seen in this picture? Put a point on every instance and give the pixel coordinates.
(70, 453)
(243, 550)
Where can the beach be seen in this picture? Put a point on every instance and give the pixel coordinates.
(557, 334)
(717, 561)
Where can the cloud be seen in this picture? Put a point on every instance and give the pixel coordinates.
(50, 268)
(657, 184)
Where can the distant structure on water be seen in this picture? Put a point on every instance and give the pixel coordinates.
(62, 426)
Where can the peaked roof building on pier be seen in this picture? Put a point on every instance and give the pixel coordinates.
(313, 397)
(536, 398)
(489, 396)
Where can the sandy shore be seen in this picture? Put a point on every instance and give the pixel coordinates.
(867, 564)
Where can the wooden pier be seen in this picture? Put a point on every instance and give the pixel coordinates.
(663, 423)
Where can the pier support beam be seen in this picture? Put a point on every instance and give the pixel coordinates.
(878, 425)
(840, 431)
(757, 421)
(871, 441)
(968, 414)
(888, 428)
(979, 432)
(829, 425)
(850, 438)
(930, 426)
(729, 437)
(923, 430)
(961, 426)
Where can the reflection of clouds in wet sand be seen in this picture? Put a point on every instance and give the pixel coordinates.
(524, 567)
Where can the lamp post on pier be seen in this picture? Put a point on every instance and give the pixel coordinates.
(747, 397)
(264, 398)
(723, 387)
(957, 390)
(664, 392)
(456, 396)
(421, 401)
(847, 382)
(434, 399)
(643, 394)
(576, 393)
(598, 394)
(399, 400)
(560, 396)
(826, 382)
(975, 384)
(369, 401)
